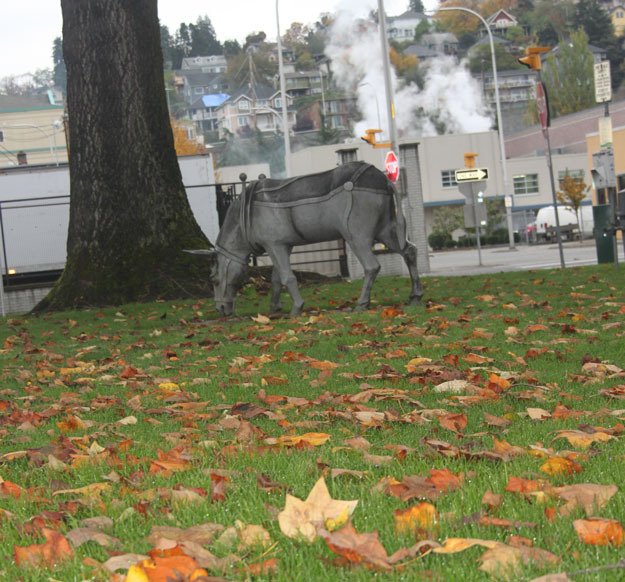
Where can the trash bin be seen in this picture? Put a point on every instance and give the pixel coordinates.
(604, 238)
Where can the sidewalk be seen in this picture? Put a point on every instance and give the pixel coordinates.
(523, 257)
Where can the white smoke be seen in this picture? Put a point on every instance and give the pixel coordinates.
(450, 97)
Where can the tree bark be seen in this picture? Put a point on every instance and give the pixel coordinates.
(129, 215)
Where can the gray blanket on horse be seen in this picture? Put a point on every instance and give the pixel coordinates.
(347, 176)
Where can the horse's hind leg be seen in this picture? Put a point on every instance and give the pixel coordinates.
(409, 253)
(282, 264)
(275, 303)
(369, 262)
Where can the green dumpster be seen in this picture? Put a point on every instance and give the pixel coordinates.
(604, 239)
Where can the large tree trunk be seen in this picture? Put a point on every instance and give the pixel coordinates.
(129, 214)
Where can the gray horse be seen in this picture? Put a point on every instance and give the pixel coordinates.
(354, 201)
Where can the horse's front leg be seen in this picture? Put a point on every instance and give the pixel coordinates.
(371, 265)
(280, 257)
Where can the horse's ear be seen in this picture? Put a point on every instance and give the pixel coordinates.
(202, 252)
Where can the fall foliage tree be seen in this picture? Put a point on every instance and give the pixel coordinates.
(129, 215)
(572, 193)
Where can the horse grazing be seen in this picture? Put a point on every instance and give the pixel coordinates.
(354, 201)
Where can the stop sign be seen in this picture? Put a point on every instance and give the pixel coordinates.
(391, 165)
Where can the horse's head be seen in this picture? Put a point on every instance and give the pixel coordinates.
(228, 275)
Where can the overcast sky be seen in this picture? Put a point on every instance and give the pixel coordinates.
(30, 26)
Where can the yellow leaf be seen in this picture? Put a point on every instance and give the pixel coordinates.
(136, 574)
(314, 439)
(560, 466)
(169, 387)
(418, 517)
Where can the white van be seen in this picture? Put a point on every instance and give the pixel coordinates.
(546, 223)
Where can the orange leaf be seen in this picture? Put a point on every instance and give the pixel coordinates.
(165, 570)
(476, 359)
(454, 422)
(55, 550)
(599, 532)
(323, 365)
(418, 517)
(560, 466)
(444, 479)
(8, 488)
(523, 486)
(357, 548)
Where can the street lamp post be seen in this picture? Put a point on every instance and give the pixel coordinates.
(502, 148)
(390, 105)
(285, 120)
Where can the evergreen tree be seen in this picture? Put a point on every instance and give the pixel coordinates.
(60, 72)
(416, 6)
(203, 39)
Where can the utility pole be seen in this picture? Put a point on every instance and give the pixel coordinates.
(533, 61)
(388, 87)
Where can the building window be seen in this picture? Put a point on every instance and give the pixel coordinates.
(244, 105)
(526, 184)
(199, 90)
(277, 103)
(448, 178)
(243, 120)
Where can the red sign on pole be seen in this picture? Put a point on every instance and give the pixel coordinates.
(391, 165)
(542, 105)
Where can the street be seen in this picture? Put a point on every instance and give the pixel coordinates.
(523, 257)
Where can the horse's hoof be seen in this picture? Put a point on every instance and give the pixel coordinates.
(275, 309)
(361, 307)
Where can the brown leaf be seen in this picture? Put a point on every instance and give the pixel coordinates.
(581, 439)
(81, 535)
(444, 479)
(596, 531)
(53, 551)
(453, 422)
(201, 534)
(589, 496)
(357, 548)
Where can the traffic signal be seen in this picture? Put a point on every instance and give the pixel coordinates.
(532, 58)
(370, 138)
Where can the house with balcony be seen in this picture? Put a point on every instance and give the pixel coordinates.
(501, 21)
(402, 28)
(442, 43)
(214, 64)
(255, 107)
(517, 88)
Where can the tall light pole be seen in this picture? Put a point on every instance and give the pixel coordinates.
(285, 120)
(388, 88)
(502, 148)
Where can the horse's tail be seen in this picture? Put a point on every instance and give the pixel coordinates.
(400, 218)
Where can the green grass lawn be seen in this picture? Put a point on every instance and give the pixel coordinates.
(117, 422)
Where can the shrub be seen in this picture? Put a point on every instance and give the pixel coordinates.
(439, 240)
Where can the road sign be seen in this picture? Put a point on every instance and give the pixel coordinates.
(391, 165)
(471, 175)
(542, 105)
(603, 82)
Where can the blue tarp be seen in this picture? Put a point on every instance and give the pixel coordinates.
(215, 100)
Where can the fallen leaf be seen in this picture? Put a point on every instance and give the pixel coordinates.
(357, 548)
(597, 531)
(589, 496)
(560, 466)
(419, 517)
(53, 551)
(303, 518)
(581, 439)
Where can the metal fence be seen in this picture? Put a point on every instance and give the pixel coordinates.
(33, 236)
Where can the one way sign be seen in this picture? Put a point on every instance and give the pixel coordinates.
(471, 175)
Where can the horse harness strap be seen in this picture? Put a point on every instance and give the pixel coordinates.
(231, 256)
